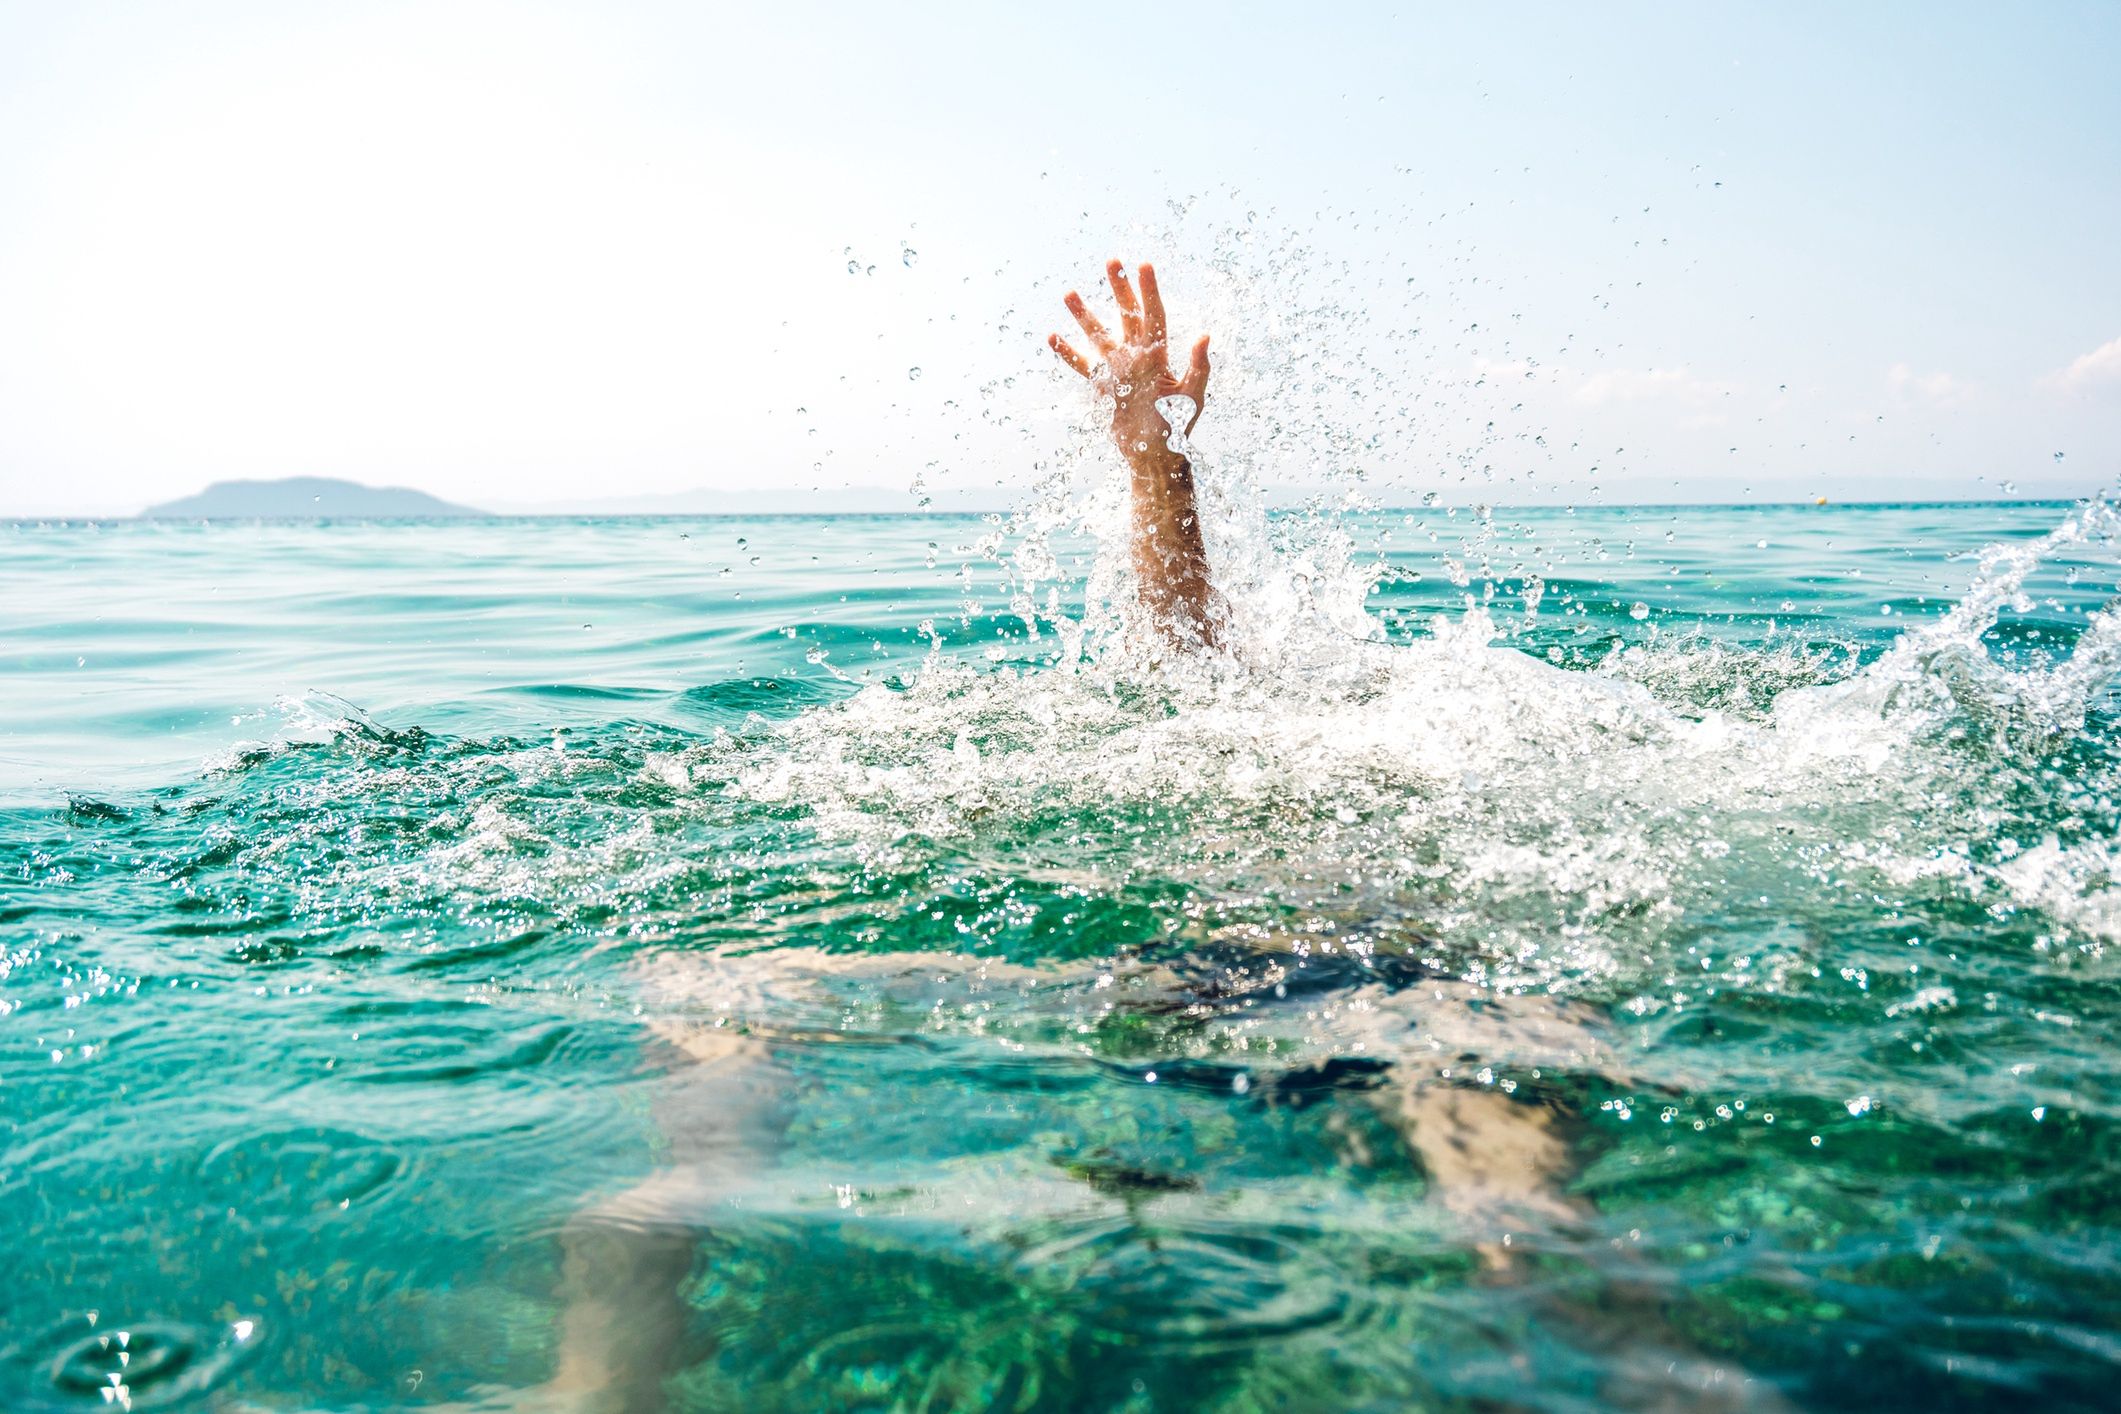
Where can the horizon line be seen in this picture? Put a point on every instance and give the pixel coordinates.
(1569, 508)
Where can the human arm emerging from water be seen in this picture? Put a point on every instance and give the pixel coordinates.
(1165, 536)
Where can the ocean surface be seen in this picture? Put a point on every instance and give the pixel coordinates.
(1620, 958)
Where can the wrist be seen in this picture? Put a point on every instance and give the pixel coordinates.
(1137, 425)
(1143, 437)
(1159, 469)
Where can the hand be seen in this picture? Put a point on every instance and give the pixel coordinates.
(1165, 543)
(1137, 370)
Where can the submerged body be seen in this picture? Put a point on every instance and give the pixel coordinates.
(1494, 1160)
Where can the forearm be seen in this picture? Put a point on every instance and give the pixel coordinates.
(1164, 535)
(1169, 557)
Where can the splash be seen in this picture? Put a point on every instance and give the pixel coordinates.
(1943, 675)
(1534, 826)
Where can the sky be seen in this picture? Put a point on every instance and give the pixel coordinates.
(544, 255)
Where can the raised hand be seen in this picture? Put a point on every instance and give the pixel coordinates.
(1169, 559)
(1136, 368)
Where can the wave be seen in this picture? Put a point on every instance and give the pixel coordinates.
(1550, 822)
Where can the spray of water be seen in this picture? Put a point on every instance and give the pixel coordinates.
(1535, 827)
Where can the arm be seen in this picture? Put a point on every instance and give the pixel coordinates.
(1165, 537)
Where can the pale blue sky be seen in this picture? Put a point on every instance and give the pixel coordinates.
(538, 253)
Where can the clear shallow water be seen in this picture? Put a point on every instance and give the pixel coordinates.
(1705, 1003)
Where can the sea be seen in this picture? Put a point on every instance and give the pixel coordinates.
(1576, 958)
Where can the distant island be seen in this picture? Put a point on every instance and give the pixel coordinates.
(304, 498)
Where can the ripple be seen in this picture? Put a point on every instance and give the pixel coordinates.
(1198, 1283)
(418, 1043)
(84, 1363)
(904, 1313)
(285, 1174)
(736, 698)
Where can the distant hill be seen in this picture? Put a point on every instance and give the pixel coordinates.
(303, 498)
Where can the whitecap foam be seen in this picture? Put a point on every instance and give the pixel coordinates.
(1549, 825)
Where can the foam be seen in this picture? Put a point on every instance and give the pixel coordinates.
(1553, 827)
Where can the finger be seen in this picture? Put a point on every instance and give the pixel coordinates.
(1069, 356)
(1099, 339)
(1130, 313)
(1152, 308)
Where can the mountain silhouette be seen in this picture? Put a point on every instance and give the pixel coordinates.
(304, 498)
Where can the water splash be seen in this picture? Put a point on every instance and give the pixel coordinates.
(1944, 673)
(1547, 826)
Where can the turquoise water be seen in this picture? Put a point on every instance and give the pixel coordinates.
(1621, 958)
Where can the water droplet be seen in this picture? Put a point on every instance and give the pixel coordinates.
(854, 267)
(2058, 456)
(1638, 611)
(913, 374)
(2010, 488)
(908, 256)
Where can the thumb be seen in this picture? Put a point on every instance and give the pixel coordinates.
(1195, 384)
